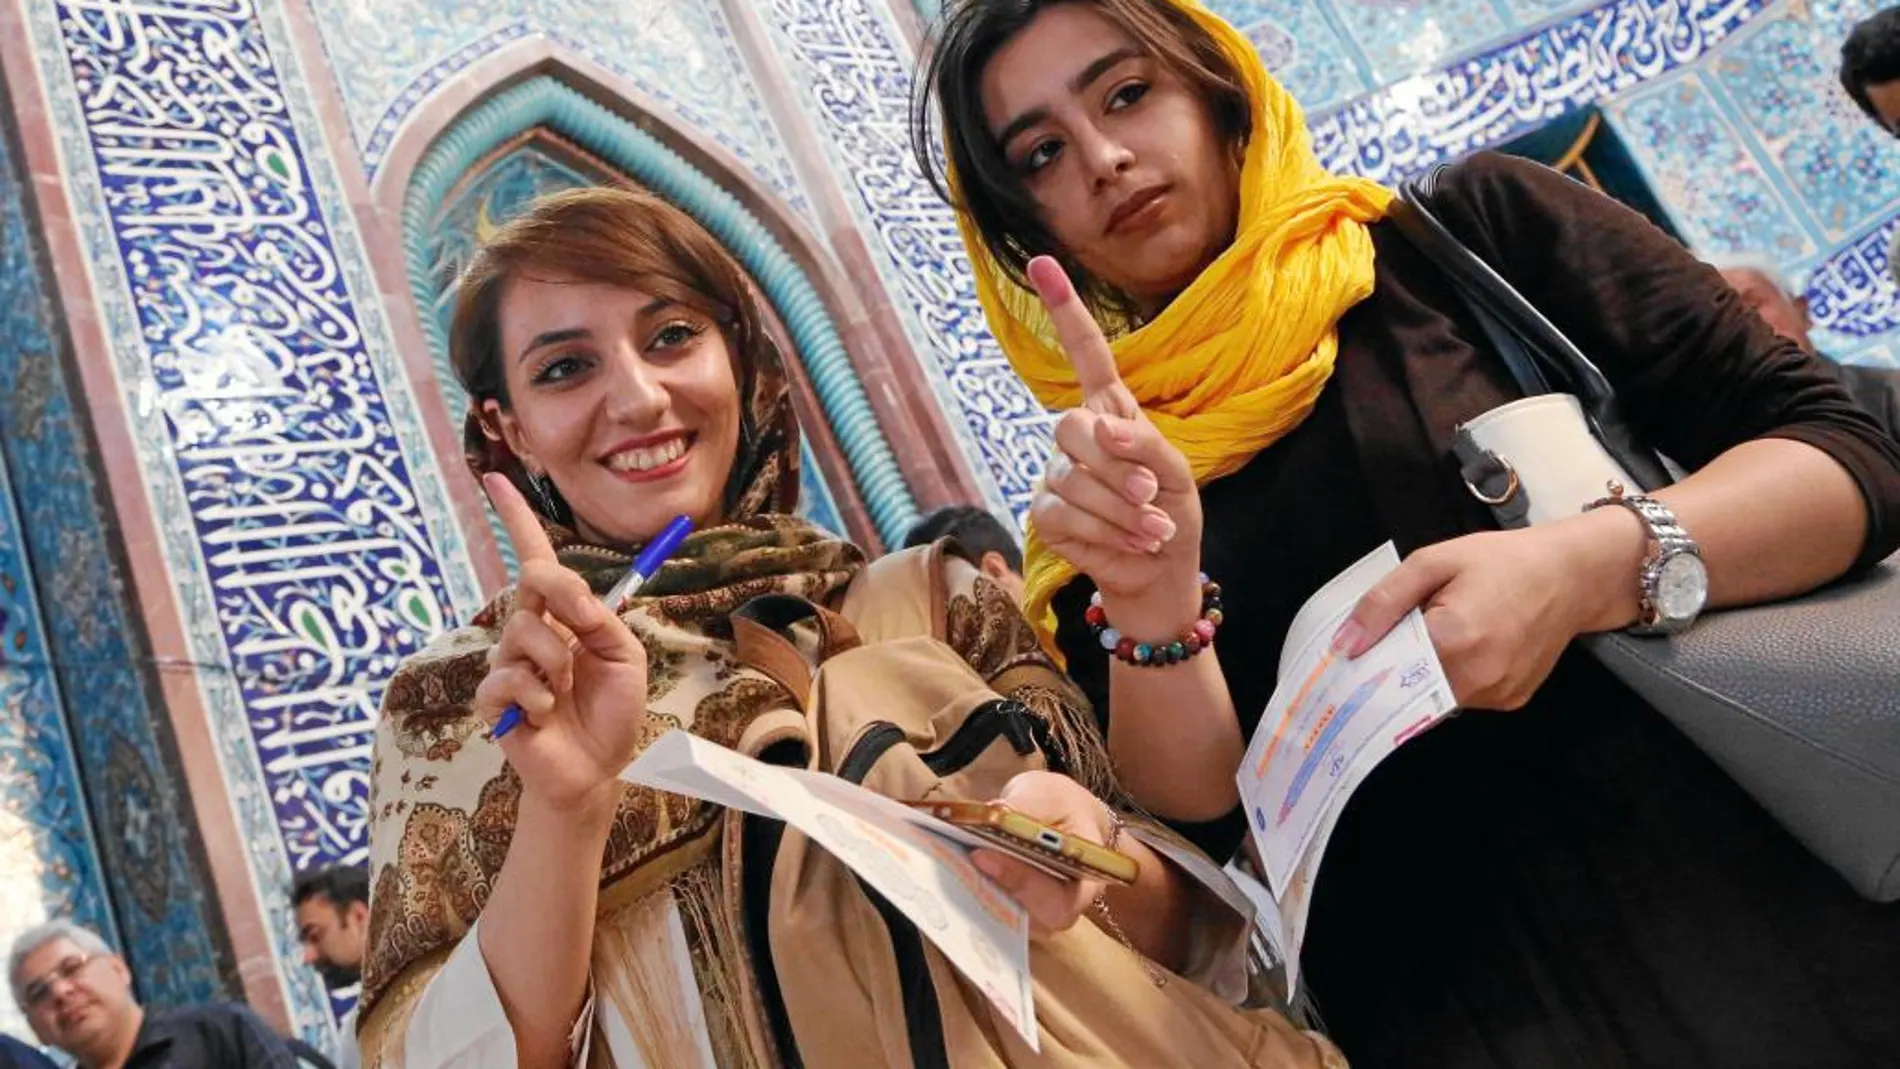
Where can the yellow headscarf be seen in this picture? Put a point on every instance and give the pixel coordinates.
(1240, 357)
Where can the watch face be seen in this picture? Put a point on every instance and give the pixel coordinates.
(1682, 587)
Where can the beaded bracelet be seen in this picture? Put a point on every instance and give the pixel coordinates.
(1160, 654)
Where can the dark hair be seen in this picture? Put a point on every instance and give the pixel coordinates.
(341, 884)
(975, 531)
(1871, 56)
(961, 45)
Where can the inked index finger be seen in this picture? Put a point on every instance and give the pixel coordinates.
(523, 526)
(1080, 336)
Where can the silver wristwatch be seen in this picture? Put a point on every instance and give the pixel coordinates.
(1674, 582)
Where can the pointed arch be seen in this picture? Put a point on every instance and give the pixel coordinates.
(542, 99)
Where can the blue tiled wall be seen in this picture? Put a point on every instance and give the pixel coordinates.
(74, 677)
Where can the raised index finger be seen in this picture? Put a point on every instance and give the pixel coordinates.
(523, 526)
(1080, 336)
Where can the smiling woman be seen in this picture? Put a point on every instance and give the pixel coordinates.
(598, 367)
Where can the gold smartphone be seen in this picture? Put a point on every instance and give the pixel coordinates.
(1050, 849)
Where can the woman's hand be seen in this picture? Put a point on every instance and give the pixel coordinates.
(1053, 904)
(1118, 500)
(1502, 606)
(578, 675)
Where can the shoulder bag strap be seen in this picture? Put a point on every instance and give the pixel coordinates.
(1541, 359)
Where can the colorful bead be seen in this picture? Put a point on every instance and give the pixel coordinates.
(1197, 637)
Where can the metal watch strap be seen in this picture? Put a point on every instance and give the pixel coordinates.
(1669, 538)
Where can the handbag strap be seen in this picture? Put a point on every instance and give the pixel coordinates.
(761, 632)
(1541, 359)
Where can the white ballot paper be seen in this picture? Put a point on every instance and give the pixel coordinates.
(921, 864)
(1329, 722)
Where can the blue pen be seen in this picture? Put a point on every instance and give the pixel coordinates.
(644, 566)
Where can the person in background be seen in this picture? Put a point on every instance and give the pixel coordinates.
(1870, 67)
(17, 1055)
(1765, 290)
(980, 538)
(1870, 72)
(77, 994)
(333, 926)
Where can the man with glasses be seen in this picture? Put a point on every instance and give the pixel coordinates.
(77, 995)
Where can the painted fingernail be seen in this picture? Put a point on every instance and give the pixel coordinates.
(1121, 431)
(1346, 639)
(1138, 544)
(1158, 525)
(1051, 282)
(1142, 486)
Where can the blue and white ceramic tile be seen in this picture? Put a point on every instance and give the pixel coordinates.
(1780, 76)
(1303, 47)
(1410, 126)
(1851, 293)
(301, 513)
(1528, 13)
(1406, 37)
(1767, 121)
(853, 70)
(1715, 189)
(84, 662)
(389, 54)
(49, 863)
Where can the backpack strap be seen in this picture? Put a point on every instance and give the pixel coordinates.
(761, 631)
(900, 595)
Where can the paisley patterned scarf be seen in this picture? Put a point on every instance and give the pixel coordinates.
(444, 802)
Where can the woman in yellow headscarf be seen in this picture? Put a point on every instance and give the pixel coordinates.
(1260, 379)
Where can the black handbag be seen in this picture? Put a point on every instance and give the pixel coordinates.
(1798, 701)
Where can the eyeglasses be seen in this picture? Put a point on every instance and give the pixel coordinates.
(37, 992)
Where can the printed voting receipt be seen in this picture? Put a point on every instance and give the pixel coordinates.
(921, 864)
(1329, 722)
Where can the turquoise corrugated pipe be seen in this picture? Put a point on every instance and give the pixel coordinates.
(546, 102)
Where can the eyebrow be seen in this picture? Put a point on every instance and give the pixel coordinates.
(567, 334)
(1086, 77)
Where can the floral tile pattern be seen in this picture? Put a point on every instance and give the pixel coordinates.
(389, 54)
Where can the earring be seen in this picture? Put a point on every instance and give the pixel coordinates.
(544, 491)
